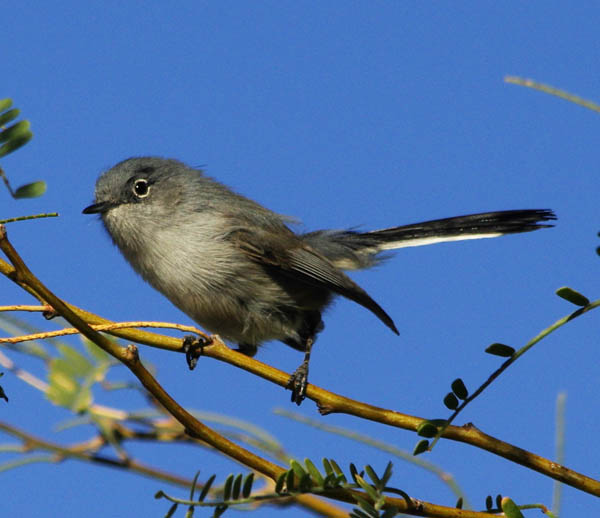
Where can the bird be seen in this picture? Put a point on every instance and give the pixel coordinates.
(239, 270)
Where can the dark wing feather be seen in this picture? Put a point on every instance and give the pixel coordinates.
(293, 258)
(310, 264)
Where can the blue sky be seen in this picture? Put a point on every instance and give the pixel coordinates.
(342, 114)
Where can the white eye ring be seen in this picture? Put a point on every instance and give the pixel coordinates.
(140, 188)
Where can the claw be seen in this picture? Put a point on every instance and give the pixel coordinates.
(299, 380)
(298, 383)
(193, 347)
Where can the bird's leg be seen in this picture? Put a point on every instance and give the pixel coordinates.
(193, 347)
(299, 380)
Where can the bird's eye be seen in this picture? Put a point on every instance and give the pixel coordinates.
(141, 189)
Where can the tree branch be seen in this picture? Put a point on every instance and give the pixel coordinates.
(328, 402)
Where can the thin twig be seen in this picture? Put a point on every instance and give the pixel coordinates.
(6, 182)
(530, 83)
(23, 307)
(30, 216)
(98, 327)
(557, 488)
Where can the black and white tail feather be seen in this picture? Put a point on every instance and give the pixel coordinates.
(352, 250)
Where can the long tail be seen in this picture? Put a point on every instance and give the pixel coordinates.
(350, 250)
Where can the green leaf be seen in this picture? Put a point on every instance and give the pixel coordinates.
(459, 503)
(237, 487)
(64, 389)
(289, 480)
(505, 351)
(298, 469)
(498, 501)
(31, 190)
(327, 466)
(5, 104)
(18, 129)
(8, 116)
(82, 401)
(15, 143)
(193, 486)
(373, 476)
(338, 471)
(387, 474)
(61, 365)
(247, 488)
(422, 446)
(171, 511)
(314, 472)
(336, 467)
(427, 429)
(459, 389)
(280, 481)
(489, 502)
(62, 371)
(353, 472)
(305, 484)
(206, 487)
(227, 487)
(574, 297)
(367, 488)
(451, 401)
(63, 393)
(366, 506)
(76, 362)
(510, 509)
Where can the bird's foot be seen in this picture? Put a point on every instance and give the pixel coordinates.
(297, 383)
(193, 347)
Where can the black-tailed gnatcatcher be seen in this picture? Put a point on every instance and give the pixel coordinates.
(238, 270)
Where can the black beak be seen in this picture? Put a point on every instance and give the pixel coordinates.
(96, 208)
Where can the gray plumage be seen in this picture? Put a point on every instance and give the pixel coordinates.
(238, 270)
